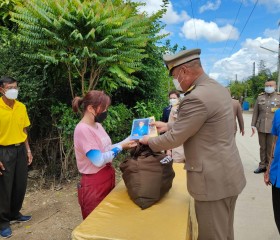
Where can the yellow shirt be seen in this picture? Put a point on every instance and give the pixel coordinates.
(12, 123)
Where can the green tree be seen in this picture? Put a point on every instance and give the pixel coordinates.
(5, 19)
(48, 98)
(237, 89)
(97, 40)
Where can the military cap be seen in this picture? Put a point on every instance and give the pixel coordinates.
(180, 58)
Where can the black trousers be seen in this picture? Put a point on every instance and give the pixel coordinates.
(276, 205)
(13, 183)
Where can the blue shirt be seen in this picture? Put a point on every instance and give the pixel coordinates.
(274, 175)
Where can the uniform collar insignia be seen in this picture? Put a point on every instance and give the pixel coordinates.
(189, 90)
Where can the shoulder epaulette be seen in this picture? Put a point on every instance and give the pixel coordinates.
(189, 90)
(261, 94)
(278, 93)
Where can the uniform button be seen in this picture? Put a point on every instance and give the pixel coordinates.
(192, 168)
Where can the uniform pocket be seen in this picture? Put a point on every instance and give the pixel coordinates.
(194, 165)
(196, 183)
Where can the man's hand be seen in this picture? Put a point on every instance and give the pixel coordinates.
(254, 129)
(169, 153)
(161, 126)
(144, 140)
(1, 168)
(129, 144)
(29, 158)
(266, 178)
(242, 132)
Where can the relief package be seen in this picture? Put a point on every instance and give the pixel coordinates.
(147, 175)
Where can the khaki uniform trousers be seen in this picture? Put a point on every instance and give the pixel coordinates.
(265, 142)
(215, 219)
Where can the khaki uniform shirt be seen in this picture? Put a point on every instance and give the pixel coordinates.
(265, 106)
(204, 127)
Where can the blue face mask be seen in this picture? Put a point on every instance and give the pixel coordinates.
(269, 89)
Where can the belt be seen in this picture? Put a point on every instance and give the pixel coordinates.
(12, 145)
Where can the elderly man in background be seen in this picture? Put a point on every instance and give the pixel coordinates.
(265, 106)
(215, 174)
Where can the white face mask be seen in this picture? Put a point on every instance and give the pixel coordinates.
(269, 89)
(11, 94)
(173, 101)
(177, 85)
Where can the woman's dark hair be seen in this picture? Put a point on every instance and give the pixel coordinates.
(6, 79)
(97, 99)
(174, 92)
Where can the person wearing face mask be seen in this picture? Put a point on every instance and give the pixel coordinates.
(265, 106)
(94, 150)
(215, 174)
(177, 153)
(15, 155)
(173, 95)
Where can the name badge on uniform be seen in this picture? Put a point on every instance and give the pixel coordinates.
(273, 107)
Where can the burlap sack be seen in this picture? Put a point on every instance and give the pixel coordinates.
(146, 178)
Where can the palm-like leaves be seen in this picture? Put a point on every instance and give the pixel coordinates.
(100, 37)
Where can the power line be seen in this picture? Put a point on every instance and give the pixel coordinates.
(233, 25)
(194, 24)
(245, 25)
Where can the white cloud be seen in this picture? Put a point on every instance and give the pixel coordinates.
(210, 6)
(171, 16)
(241, 62)
(195, 29)
(151, 6)
(273, 33)
(271, 5)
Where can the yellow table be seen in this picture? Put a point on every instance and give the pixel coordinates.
(117, 217)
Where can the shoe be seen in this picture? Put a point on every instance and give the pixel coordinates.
(23, 219)
(260, 170)
(6, 232)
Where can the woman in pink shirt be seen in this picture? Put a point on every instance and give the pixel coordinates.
(94, 150)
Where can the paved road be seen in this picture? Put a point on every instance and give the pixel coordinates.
(254, 218)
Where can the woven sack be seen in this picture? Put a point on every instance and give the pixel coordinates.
(147, 175)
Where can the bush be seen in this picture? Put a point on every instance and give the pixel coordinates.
(118, 122)
(65, 121)
(149, 108)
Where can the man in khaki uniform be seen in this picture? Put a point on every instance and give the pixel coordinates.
(215, 174)
(265, 106)
(237, 113)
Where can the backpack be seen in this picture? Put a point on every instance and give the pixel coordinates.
(147, 175)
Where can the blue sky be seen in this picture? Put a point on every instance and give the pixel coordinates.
(230, 33)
